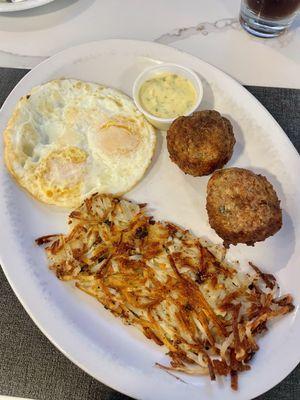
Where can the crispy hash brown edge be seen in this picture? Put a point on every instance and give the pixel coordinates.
(165, 281)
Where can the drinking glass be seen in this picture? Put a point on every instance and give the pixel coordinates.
(268, 18)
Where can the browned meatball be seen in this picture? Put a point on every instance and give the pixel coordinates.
(200, 143)
(242, 207)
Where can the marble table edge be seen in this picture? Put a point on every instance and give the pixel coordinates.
(202, 28)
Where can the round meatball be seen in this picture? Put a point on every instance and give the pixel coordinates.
(200, 143)
(242, 207)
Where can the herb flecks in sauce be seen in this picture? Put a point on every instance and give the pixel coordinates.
(167, 95)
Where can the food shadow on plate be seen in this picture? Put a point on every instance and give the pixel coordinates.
(240, 142)
(156, 154)
(208, 99)
(198, 381)
(283, 242)
(23, 19)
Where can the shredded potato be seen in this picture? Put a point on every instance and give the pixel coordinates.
(160, 278)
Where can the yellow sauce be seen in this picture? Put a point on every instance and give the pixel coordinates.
(167, 95)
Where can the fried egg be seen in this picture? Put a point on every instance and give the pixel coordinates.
(68, 139)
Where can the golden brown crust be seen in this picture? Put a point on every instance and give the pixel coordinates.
(242, 207)
(201, 143)
(161, 279)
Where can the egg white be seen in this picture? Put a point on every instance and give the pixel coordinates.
(67, 139)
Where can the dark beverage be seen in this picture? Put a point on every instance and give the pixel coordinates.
(268, 18)
(273, 9)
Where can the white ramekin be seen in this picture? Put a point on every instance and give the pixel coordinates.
(164, 123)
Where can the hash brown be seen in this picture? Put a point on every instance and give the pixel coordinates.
(163, 280)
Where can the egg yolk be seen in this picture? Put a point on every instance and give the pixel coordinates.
(62, 171)
(117, 138)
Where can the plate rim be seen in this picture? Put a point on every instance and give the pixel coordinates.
(283, 136)
(26, 5)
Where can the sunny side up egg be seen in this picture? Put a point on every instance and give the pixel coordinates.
(68, 139)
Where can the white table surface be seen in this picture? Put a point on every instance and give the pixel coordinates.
(208, 29)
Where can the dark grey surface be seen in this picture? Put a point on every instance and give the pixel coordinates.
(30, 366)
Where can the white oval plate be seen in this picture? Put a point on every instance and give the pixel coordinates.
(77, 324)
(22, 5)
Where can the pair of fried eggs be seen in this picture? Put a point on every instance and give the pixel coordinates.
(68, 139)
